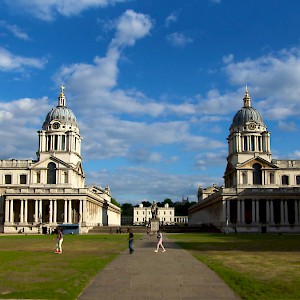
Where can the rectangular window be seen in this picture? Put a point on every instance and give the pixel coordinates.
(298, 180)
(245, 144)
(38, 177)
(285, 180)
(272, 181)
(23, 179)
(65, 177)
(56, 142)
(252, 143)
(7, 179)
(63, 142)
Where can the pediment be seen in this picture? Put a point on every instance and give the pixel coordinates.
(44, 163)
(250, 162)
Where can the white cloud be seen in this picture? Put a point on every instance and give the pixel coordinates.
(275, 81)
(172, 18)
(178, 39)
(287, 126)
(11, 62)
(48, 10)
(15, 30)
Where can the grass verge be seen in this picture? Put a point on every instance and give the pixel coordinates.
(29, 268)
(258, 267)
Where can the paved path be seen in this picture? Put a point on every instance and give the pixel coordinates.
(146, 275)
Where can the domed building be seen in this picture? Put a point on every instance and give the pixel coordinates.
(259, 194)
(36, 196)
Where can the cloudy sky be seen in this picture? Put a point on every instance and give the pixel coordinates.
(154, 84)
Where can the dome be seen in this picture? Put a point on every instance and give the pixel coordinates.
(247, 113)
(60, 113)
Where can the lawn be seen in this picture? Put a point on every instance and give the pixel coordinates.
(258, 267)
(30, 269)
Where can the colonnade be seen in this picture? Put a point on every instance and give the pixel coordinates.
(50, 211)
(269, 214)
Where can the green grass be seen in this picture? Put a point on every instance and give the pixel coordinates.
(29, 268)
(258, 267)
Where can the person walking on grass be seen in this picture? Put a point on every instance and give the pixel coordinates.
(159, 242)
(60, 239)
(130, 242)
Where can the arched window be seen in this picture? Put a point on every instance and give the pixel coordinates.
(257, 174)
(51, 173)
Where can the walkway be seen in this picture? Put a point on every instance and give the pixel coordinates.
(146, 275)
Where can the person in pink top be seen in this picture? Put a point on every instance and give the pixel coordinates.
(159, 242)
(60, 239)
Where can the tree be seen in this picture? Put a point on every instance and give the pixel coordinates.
(114, 201)
(127, 210)
(146, 203)
(168, 201)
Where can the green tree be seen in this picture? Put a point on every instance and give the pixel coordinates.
(127, 210)
(114, 201)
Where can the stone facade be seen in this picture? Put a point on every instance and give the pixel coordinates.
(51, 190)
(260, 194)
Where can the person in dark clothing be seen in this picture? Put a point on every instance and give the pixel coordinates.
(130, 243)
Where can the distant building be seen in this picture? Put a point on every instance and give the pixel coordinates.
(142, 215)
(260, 194)
(38, 195)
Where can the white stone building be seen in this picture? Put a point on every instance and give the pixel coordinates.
(142, 215)
(43, 193)
(260, 194)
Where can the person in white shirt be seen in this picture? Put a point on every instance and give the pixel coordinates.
(159, 242)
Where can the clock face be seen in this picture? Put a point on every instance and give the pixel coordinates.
(252, 126)
(56, 125)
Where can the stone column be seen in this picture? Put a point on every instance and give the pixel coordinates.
(36, 211)
(253, 212)
(41, 211)
(22, 212)
(271, 212)
(11, 215)
(281, 212)
(50, 211)
(224, 211)
(66, 212)
(7, 217)
(84, 211)
(26, 211)
(70, 212)
(243, 211)
(80, 211)
(296, 212)
(286, 217)
(55, 211)
(238, 211)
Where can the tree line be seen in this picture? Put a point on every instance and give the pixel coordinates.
(181, 208)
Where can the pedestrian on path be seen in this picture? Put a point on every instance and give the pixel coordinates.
(159, 242)
(60, 239)
(130, 242)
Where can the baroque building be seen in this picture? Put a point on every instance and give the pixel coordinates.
(259, 194)
(38, 195)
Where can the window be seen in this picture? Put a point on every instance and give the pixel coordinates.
(7, 179)
(38, 177)
(272, 181)
(298, 179)
(65, 177)
(245, 177)
(56, 142)
(257, 174)
(51, 173)
(285, 180)
(63, 142)
(245, 144)
(23, 179)
(252, 143)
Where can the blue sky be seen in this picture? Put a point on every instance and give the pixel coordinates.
(154, 84)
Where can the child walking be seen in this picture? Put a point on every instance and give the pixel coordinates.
(159, 242)
(60, 239)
